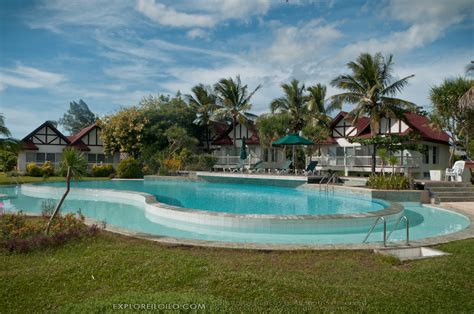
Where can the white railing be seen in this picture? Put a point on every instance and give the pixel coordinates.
(363, 161)
(234, 160)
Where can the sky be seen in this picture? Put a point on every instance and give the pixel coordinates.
(112, 53)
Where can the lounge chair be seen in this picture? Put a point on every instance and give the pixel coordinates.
(257, 166)
(456, 171)
(240, 167)
(285, 167)
(310, 168)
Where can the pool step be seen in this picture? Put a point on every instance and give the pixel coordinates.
(444, 199)
(442, 191)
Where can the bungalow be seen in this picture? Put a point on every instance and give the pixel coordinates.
(46, 143)
(338, 153)
(222, 144)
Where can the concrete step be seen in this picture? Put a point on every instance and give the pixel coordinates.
(441, 184)
(453, 194)
(451, 189)
(455, 199)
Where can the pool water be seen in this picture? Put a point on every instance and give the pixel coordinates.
(425, 221)
(240, 198)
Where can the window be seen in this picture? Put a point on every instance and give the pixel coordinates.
(265, 154)
(91, 158)
(51, 157)
(40, 157)
(435, 153)
(426, 154)
(30, 157)
(99, 158)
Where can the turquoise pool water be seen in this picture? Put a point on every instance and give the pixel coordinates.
(240, 198)
(130, 215)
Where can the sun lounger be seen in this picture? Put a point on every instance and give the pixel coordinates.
(310, 168)
(285, 167)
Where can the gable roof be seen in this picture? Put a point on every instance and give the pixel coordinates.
(415, 122)
(76, 137)
(51, 126)
(224, 138)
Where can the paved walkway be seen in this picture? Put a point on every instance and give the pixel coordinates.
(465, 207)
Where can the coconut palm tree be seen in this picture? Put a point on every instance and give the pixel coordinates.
(318, 106)
(371, 89)
(294, 103)
(204, 102)
(234, 101)
(4, 131)
(74, 164)
(6, 142)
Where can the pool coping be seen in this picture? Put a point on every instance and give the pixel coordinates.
(466, 233)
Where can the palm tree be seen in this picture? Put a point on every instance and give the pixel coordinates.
(234, 102)
(318, 106)
(470, 67)
(371, 89)
(294, 103)
(6, 142)
(74, 164)
(204, 102)
(4, 131)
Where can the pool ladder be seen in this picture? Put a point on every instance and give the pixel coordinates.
(333, 178)
(385, 237)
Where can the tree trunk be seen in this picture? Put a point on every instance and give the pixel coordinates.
(374, 158)
(207, 139)
(234, 123)
(61, 201)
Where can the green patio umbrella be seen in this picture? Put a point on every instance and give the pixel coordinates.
(243, 150)
(292, 140)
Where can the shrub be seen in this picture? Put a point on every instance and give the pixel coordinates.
(389, 182)
(129, 168)
(8, 160)
(20, 234)
(33, 170)
(207, 162)
(172, 164)
(102, 170)
(47, 169)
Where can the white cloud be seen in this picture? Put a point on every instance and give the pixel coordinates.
(167, 16)
(203, 14)
(28, 77)
(296, 44)
(197, 33)
(54, 15)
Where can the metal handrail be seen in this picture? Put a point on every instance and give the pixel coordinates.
(407, 229)
(384, 230)
(320, 181)
(333, 177)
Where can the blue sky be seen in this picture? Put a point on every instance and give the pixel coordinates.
(112, 53)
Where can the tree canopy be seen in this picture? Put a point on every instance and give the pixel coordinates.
(371, 89)
(77, 117)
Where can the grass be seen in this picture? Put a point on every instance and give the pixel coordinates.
(4, 180)
(94, 274)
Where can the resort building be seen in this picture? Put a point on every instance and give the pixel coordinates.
(339, 154)
(222, 143)
(46, 143)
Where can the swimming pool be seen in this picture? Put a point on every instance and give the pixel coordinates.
(235, 212)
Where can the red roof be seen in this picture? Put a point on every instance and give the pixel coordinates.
(427, 132)
(81, 133)
(416, 122)
(29, 145)
(224, 138)
(80, 145)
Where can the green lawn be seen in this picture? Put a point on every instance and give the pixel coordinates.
(95, 274)
(25, 179)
